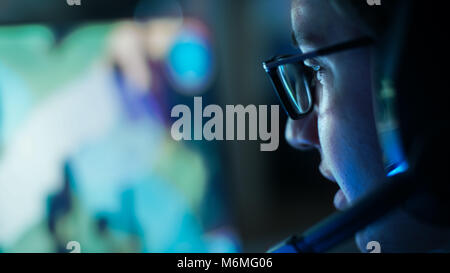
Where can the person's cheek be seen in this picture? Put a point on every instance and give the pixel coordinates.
(332, 137)
(361, 166)
(338, 130)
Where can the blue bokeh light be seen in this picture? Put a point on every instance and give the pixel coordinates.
(190, 63)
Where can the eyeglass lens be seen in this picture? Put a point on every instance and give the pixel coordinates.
(296, 80)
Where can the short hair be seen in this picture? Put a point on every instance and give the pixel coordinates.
(373, 20)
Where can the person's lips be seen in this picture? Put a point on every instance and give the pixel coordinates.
(340, 201)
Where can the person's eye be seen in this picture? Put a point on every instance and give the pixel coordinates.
(317, 72)
(316, 68)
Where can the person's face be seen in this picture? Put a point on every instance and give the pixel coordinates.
(342, 125)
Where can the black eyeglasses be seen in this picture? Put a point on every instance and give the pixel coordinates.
(294, 82)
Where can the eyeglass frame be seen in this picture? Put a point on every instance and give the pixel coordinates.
(271, 67)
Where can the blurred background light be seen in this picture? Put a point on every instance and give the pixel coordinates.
(92, 88)
(190, 60)
(160, 36)
(150, 9)
(16, 102)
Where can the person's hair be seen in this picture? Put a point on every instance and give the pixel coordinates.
(372, 20)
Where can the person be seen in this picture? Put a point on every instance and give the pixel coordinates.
(333, 113)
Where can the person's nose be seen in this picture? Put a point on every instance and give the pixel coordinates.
(303, 134)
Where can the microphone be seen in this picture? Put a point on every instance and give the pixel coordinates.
(342, 225)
